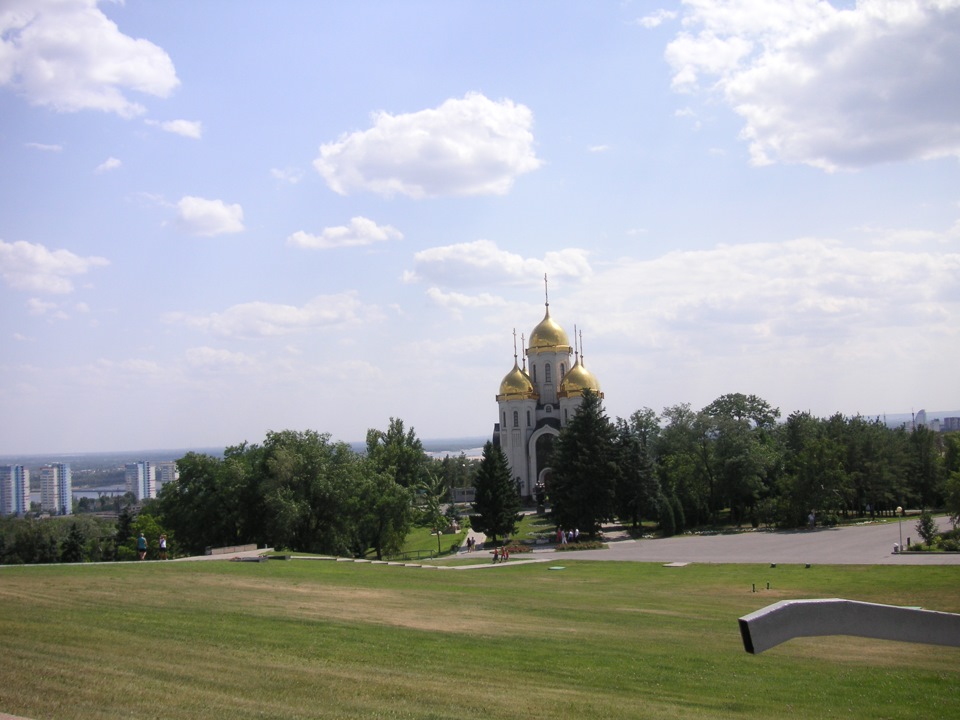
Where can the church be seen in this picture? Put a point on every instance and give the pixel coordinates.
(536, 404)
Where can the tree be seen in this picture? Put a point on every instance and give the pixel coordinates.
(927, 527)
(383, 514)
(583, 486)
(742, 452)
(637, 486)
(926, 467)
(496, 505)
(74, 548)
(309, 486)
(431, 492)
(398, 452)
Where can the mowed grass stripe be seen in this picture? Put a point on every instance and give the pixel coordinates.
(299, 639)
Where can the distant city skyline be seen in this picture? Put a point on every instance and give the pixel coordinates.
(218, 220)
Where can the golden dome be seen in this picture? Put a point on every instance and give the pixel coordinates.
(548, 336)
(577, 380)
(516, 385)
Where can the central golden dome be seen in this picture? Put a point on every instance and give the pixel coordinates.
(548, 336)
(516, 385)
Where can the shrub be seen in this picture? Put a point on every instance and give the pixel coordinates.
(927, 527)
(515, 547)
(582, 545)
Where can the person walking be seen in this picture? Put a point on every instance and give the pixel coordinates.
(163, 547)
(142, 547)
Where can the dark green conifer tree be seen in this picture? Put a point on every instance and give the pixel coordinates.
(583, 486)
(497, 505)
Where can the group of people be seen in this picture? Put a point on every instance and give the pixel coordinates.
(142, 547)
(567, 536)
(471, 543)
(501, 554)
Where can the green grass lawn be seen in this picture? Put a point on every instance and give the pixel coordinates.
(422, 541)
(595, 640)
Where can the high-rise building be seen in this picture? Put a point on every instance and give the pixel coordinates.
(166, 472)
(141, 479)
(56, 489)
(14, 490)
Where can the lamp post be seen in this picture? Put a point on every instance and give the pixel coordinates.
(900, 525)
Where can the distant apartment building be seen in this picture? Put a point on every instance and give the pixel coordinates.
(166, 473)
(950, 424)
(141, 479)
(14, 490)
(56, 489)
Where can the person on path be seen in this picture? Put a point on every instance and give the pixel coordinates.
(496, 554)
(142, 547)
(163, 547)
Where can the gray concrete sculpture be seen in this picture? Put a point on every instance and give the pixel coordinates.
(782, 621)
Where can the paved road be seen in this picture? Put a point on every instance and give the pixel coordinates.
(852, 545)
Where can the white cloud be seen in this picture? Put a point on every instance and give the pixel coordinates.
(192, 129)
(44, 147)
(655, 19)
(40, 307)
(459, 301)
(778, 298)
(34, 268)
(260, 319)
(287, 175)
(110, 163)
(361, 231)
(199, 216)
(828, 87)
(481, 262)
(468, 146)
(598, 148)
(68, 55)
(456, 303)
(208, 357)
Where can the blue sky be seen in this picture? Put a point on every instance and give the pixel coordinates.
(222, 218)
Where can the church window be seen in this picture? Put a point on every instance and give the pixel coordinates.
(546, 373)
(534, 368)
(528, 418)
(566, 417)
(516, 419)
(504, 418)
(563, 371)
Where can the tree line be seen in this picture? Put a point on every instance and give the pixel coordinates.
(733, 462)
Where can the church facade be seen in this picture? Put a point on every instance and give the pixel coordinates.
(536, 403)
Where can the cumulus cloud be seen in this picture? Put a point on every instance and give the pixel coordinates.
(260, 319)
(68, 55)
(460, 301)
(110, 163)
(481, 262)
(199, 216)
(192, 129)
(828, 87)
(466, 146)
(657, 18)
(804, 294)
(361, 231)
(34, 268)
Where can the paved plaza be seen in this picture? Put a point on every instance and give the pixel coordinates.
(870, 544)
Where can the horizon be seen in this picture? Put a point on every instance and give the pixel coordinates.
(431, 445)
(214, 224)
